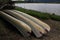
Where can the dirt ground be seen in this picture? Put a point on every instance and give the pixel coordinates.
(8, 32)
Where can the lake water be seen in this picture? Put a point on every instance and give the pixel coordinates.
(43, 7)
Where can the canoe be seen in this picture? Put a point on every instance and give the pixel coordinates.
(20, 17)
(39, 22)
(38, 31)
(17, 23)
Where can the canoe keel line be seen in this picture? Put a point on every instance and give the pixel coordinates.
(25, 23)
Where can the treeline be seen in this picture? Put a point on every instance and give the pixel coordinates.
(43, 1)
(39, 1)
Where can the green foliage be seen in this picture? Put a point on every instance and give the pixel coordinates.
(4, 1)
(55, 17)
(41, 15)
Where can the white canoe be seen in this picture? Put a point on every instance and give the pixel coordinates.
(39, 22)
(34, 27)
(21, 26)
(20, 17)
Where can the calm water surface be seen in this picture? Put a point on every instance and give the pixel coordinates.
(43, 7)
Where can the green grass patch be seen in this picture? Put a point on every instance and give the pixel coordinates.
(55, 17)
(41, 15)
(34, 13)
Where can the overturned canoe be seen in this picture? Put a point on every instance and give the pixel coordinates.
(39, 22)
(21, 26)
(38, 31)
(20, 17)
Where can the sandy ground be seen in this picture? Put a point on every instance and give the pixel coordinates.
(9, 32)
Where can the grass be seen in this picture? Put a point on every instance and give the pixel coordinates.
(41, 15)
(55, 17)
